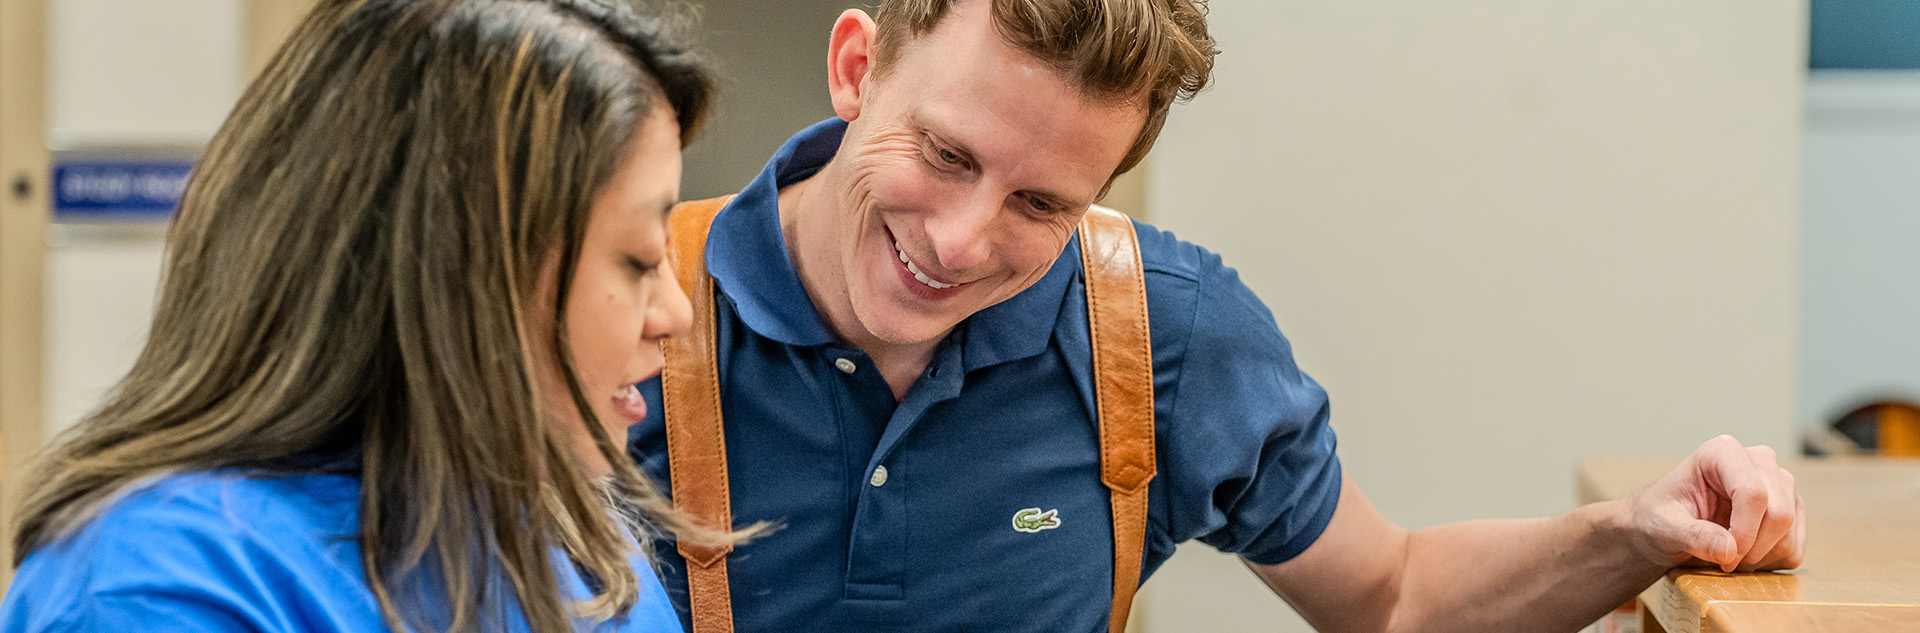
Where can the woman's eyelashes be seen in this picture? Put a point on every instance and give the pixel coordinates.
(640, 268)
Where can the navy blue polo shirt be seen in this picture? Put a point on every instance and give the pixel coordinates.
(974, 503)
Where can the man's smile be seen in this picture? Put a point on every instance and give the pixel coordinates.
(927, 285)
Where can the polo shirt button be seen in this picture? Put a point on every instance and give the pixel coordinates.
(879, 476)
(845, 366)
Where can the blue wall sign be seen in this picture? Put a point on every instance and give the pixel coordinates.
(119, 188)
(1875, 34)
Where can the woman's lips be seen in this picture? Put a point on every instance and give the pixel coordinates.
(629, 405)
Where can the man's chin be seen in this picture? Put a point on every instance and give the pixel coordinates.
(912, 335)
(893, 320)
(904, 330)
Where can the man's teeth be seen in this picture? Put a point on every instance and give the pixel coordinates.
(625, 392)
(920, 276)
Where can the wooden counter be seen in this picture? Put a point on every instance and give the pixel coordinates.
(1862, 567)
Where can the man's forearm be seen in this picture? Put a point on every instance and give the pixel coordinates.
(1552, 574)
(1727, 504)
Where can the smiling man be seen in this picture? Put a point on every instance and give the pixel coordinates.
(900, 337)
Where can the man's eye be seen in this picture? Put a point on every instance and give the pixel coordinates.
(1039, 204)
(949, 157)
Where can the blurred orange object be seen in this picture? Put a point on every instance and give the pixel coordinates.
(1888, 427)
(1900, 430)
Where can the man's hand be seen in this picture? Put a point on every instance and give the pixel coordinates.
(1727, 505)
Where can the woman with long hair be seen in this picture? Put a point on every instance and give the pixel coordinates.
(406, 296)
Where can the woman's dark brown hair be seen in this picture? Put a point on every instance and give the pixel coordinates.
(345, 284)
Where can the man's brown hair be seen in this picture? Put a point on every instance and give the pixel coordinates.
(1116, 50)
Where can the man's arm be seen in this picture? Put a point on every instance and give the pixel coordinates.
(1726, 505)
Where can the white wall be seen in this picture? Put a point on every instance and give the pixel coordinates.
(1505, 234)
(151, 73)
(1861, 297)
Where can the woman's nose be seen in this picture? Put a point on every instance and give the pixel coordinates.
(671, 312)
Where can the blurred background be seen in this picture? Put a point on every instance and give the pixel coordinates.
(1505, 234)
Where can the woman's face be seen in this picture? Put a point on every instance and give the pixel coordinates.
(624, 298)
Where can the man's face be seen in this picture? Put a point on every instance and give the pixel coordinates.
(962, 178)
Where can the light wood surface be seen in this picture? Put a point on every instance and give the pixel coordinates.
(23, 230)
(1862, 568)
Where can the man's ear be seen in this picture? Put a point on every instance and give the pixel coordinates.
(850, 62)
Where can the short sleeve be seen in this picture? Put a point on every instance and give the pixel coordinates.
(1248, 455)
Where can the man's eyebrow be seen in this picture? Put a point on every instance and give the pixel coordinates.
(955, 145)
(943, 138)
(1059, 199)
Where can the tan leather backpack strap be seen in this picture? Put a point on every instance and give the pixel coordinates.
(1123, 388)
(696, 445)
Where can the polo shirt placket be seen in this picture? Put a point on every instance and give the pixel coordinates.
(877, 553)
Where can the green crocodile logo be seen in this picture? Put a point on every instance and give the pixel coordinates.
(1033, 520)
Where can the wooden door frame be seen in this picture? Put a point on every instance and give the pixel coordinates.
(24, 211)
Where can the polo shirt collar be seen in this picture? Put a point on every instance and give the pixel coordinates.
(747, 255)
(1022, 325)
(748, 258)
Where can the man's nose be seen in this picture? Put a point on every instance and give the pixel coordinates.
(961, 234)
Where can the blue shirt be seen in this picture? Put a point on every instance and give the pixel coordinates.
(223, 551)
(999, 423)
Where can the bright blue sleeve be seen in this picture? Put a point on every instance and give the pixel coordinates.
(213, 552)
(186, 611)
(192, 552)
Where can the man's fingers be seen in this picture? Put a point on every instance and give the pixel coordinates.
(1746, 491)
(1793, 548)
(1799, 533)
(1780, 510)
(1772, 535)
(1709, 542)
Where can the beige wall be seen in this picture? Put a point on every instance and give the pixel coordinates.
(153, 72)
(1504, 234)
(772, 59)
